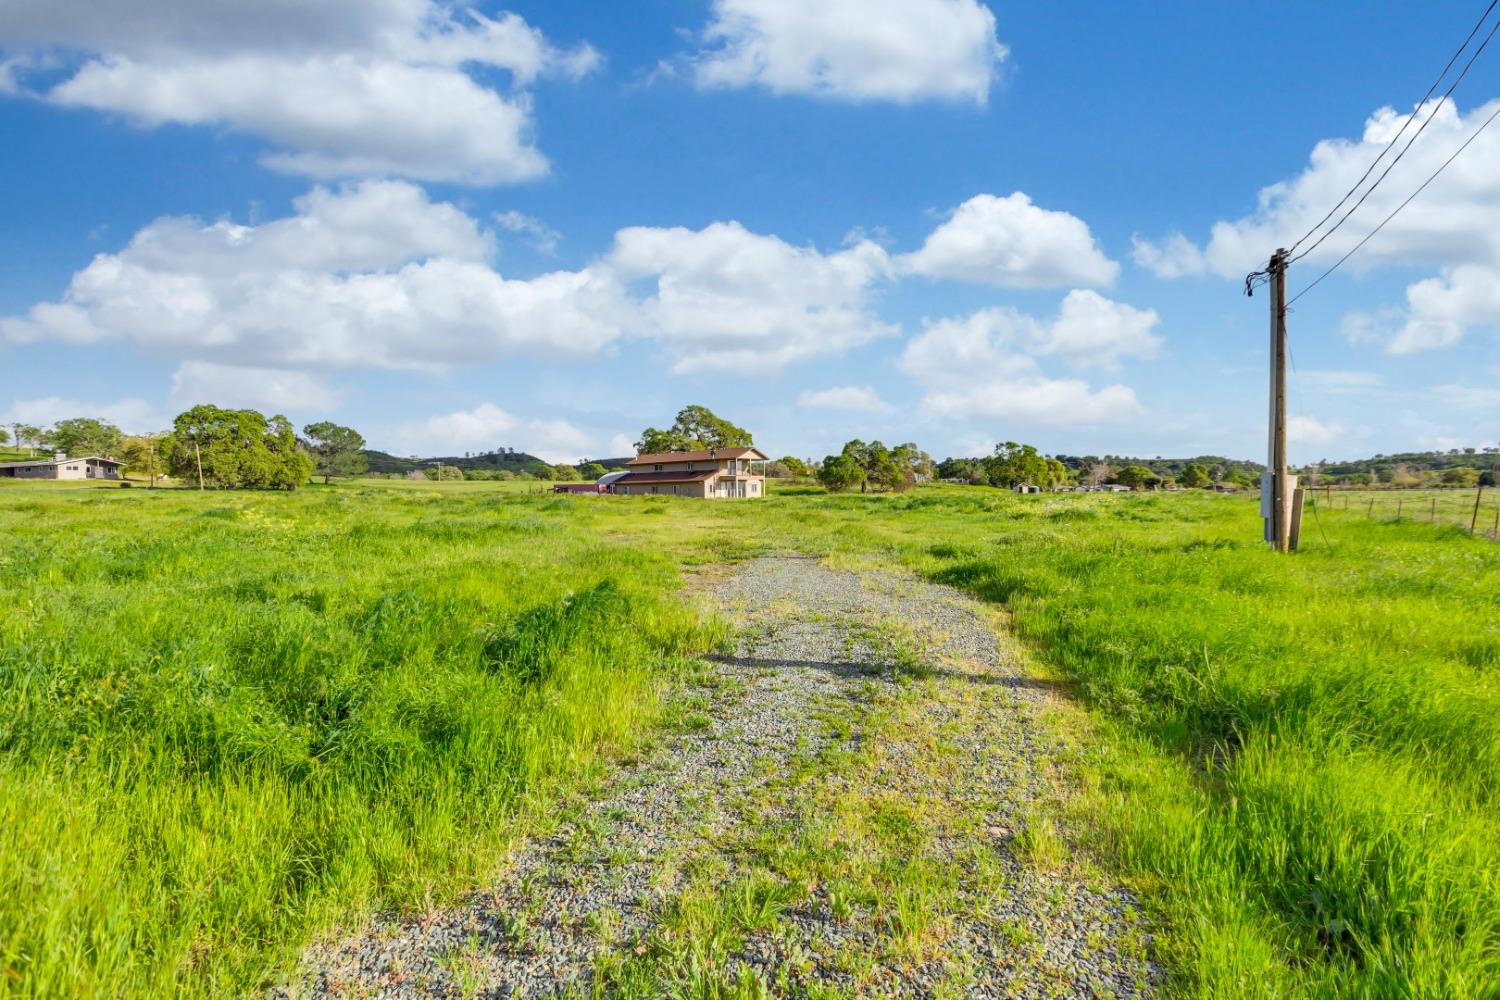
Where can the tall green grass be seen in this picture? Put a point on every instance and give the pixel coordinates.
(1295, 758)
(1303, 750)
(230, 720)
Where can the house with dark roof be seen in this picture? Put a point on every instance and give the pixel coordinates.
(718, 473)
(60, 466)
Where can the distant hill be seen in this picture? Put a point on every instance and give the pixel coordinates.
(1411, 461)
(1406, 468)
(1219, 466)
(513, 461)
(1417, 461)
(508, 461)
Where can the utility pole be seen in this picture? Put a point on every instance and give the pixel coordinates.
(1278, 520)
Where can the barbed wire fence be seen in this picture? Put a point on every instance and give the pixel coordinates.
(1475, 509)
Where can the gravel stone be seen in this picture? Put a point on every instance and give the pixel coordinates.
(811, 639)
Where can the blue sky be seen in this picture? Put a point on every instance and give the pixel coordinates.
(546, 226)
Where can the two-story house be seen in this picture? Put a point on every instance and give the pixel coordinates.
(718, 472)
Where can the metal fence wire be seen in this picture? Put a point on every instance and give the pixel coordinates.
(1474, 509)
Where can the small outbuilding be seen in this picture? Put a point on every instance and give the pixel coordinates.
(1027, 488)
(60, 466)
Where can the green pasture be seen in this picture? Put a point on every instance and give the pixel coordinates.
(232, 720)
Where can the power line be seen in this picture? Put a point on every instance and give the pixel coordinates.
(1392, 165)
(1404, 125)
(1493, 115)
(1401, 131)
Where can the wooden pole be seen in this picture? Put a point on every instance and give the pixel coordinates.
(1475, 519)
(198, 455)
(1280, 523)
(1399, 501)
(1432, 514)
(1370, 510)
(1294, 536)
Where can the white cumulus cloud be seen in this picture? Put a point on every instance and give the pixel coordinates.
(1441, 310)
(856, 50)
(1454, 221)
(1452, 225)
(984, 365)
(238, 386)
(338, 87)
(371, 276)
(543, 238)
(1312, 432)
(378, 275)
(1093, 330)
(486, 427)
(1012, 243)
(132, 415)
(724, 298)
(1174, 257)
(854, 398)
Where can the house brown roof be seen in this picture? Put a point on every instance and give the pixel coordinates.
(694, 456)
(647, 478)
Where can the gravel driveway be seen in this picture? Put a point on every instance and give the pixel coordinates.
(848, 806)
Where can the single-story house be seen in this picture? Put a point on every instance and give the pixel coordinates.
(60, 466)
(715, 473)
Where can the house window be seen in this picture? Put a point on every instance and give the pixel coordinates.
(656, 467)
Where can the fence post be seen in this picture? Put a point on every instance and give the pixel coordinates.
(1433, 513)
(1399, 502)
(1370, 510)
(1475, 519)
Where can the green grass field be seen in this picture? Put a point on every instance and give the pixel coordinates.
(232, 720)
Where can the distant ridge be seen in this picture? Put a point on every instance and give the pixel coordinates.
(1417, 461)
(508, 461)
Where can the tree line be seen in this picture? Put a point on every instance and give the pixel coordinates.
(209, 445)
(229, 448)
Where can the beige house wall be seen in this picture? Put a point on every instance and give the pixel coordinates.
(702, 466)
(712, 488)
